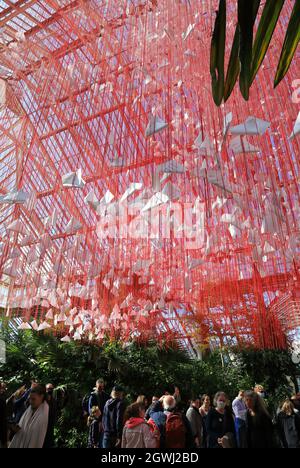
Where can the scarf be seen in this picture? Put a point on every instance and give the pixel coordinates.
(33, 428)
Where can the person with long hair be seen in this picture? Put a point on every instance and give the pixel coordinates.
(137, 434)
(205, 406)
(3, 416)
(288, 425)
(260, 431)
(94, 425)
(143, 400)
(204, 410)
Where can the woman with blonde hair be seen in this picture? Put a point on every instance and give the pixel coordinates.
(143, 400)
(288, 425)
(95, 426)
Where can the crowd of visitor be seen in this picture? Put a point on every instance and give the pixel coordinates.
(28, 418)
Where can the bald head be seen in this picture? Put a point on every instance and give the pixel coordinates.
(169, 403)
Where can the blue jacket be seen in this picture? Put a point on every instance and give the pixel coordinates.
(112, 419)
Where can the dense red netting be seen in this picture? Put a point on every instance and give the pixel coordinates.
(131, 206)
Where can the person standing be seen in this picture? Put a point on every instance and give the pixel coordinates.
(3, 416)
(205, 406)
(30, 432)
(260, 431)
(95, 429)
(204, 410)
(220, 424)
(52, 403)
(177, 430)
(99, 398)
(143, 400)
(177, 394)
(21, 401)
(240, 417)
(288, 425)
(153, 405)
(194, 417)
(137, 434)
(113, 419)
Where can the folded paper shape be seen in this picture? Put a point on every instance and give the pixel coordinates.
(73, 226)
(66, 339)
(241, 145)
(43, 326)
(73, 179)
(18, 227)
(252, 126)
(188, 32)
(92, 200)
(14, 198)
(24, 326)
(171, 167)
(155, 125)
(171, 191)
(296, 130)
(3, 89)
(227, 122)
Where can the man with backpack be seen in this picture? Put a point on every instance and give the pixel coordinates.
(173, 425)
(98, 397)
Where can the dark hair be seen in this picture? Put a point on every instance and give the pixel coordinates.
(203, 398)
(39, 390)
(133, 411)
(195, 398)
(259, 406)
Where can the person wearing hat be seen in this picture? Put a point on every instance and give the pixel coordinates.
(113, 415)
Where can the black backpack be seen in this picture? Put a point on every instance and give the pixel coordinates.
(85, 403)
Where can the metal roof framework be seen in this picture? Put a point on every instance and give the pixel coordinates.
(82, 79)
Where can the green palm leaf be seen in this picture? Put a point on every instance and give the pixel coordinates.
(291, 42)
(266, 28)
(217, 57)
(246, 23)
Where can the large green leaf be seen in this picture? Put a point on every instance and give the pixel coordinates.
(291, 42)
(234, 66)
(217, 56)
(246, 23)
(267, 25)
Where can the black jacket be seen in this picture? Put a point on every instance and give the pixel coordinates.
(260, 432)
(98, 399)
(112, 419)
(289, 430)
(3, 421)
(94, 434)
(218, 425)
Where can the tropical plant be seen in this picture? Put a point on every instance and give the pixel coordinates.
(249, 50)
(140, 369)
